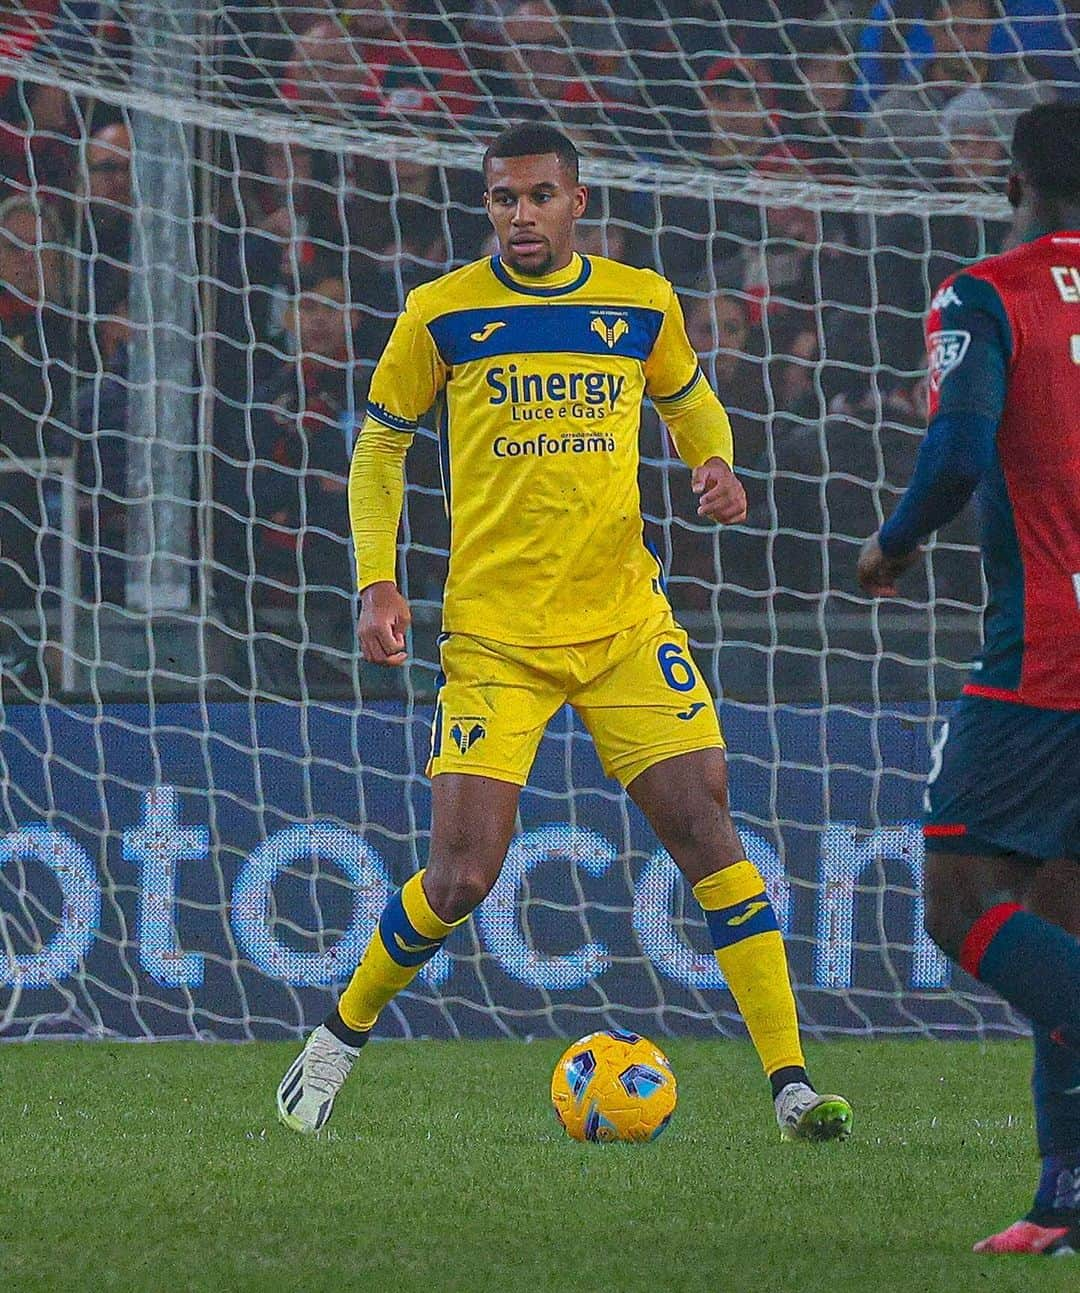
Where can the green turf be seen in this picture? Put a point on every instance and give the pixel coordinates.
(162, 1167)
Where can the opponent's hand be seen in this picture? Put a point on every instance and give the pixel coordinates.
(722, 498)
(878, 573)
(384, 619)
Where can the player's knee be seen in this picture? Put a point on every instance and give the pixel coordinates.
(456, 887)
(692, 817)
(947, 912)
(943, 928)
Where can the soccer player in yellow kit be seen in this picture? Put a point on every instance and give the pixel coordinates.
(537, 360)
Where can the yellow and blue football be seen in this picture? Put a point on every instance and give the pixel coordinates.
(613, 1085)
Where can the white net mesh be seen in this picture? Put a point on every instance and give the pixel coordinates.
(210, 216)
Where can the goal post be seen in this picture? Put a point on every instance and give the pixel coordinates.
(207, 229)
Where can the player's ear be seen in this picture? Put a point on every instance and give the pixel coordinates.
(581, 201)
(1014, 190)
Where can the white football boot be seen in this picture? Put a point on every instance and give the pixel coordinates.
(305, 1098)
(803, 1114)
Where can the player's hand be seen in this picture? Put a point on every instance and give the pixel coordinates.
(878, 573)
(721, 497)
(384, 619)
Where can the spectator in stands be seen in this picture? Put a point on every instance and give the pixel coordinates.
(914, 253)
(538, 64)
(414, 58)
(328, 77)
(303, 423)
(107, 222)
(101, 457)
(409, 221)
(35, 391)
(816, 117)
(703, 240)
(729, 347)
(897, 40)
(809, 271)
(255, 42)
(904, 136)
(33, 118)
(978, 126)
(296, 211)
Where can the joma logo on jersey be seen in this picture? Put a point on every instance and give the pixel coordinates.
(488, 330)
(609, 330)
(947, 351)
(535, 396)
(465, 732)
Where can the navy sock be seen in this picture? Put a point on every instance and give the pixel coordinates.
(1058, 1197)
(785, 1076)
(1055, 1084)
(341, 1030)
(1033, 964)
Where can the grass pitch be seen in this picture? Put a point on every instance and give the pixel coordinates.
(163, 1167)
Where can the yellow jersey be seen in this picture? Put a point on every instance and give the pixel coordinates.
(538, 385)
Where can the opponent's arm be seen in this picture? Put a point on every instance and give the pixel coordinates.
(969, 345)
(698, 422)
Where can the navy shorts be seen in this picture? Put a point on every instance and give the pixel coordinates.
(1005, 778)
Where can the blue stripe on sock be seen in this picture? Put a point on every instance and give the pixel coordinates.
(733, 924)
(403, 943)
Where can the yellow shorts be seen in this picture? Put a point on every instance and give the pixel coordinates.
(638, 692)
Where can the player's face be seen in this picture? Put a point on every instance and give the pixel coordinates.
(533, 202)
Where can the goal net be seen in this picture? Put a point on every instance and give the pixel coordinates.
(210, 215)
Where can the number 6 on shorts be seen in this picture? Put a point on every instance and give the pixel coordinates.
(677, 670)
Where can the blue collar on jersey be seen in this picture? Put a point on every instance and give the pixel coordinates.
(505, 278)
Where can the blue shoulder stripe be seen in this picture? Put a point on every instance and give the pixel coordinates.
(628, 331)
(389, 419)
(682, 391)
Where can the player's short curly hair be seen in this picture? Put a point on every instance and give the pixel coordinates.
(533, 138)
(1046, 149)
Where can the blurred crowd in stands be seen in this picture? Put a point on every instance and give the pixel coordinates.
(806, 317)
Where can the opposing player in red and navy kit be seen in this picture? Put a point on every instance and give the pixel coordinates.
(1002, 879)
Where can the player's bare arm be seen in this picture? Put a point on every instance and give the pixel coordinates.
(384, 620)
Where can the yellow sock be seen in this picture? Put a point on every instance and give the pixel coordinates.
(408, 934)
(749, 949)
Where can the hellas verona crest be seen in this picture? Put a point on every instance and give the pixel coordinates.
(609, 331)
(465, 732)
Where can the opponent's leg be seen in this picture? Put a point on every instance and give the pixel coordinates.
(472, 823)
(685, 800)
(961, 891)
(974, 913)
